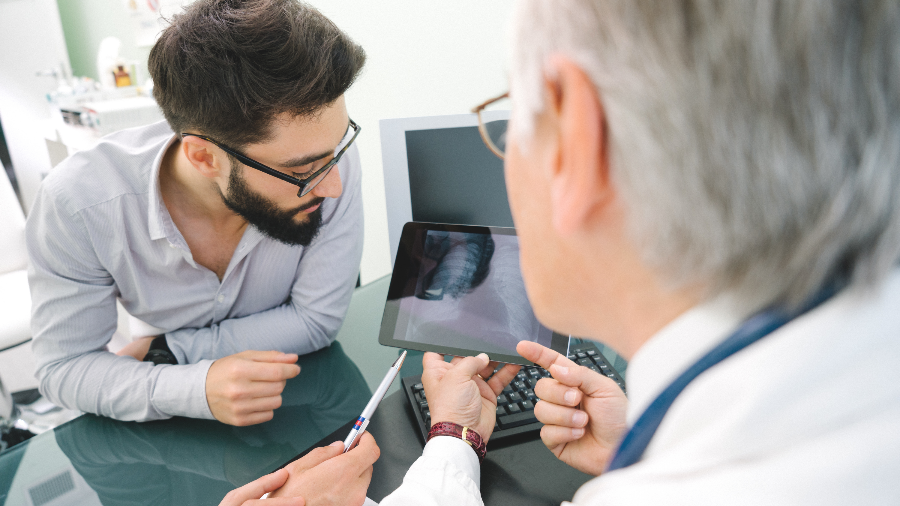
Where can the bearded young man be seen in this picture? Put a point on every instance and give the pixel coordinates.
(713, 189)
(235, 225)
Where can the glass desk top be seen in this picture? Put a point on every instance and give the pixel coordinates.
(94, 461)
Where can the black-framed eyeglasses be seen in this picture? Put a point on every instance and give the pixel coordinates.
(493, 133)
(307, 183)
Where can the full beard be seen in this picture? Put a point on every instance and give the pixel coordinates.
(267, 217)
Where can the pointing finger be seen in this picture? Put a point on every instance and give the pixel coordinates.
(541, 355)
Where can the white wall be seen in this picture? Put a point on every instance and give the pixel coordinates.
(31, 39)
(424, 58)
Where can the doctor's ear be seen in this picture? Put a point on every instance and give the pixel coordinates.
(580, 186)
(201, 155)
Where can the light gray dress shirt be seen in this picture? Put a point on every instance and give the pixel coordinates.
(99, 231)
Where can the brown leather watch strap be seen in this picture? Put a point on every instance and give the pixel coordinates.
(472, 438)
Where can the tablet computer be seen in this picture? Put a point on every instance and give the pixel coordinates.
(458, 290)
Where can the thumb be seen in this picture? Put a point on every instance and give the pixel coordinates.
(469, 366)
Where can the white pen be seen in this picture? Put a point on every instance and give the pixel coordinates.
(363, 421)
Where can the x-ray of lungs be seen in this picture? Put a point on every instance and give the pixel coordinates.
(470, 294)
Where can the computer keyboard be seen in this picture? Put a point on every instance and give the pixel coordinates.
(515, 405)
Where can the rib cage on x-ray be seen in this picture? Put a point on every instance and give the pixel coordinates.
(471, 295)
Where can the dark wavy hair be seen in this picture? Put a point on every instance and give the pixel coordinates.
(227, 68)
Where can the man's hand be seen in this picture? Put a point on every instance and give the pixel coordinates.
(137, 348)
(458, 393)
(245, 388)
(583, 412)
(329, 477)
(249, 494)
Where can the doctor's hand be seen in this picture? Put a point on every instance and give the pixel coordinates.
(583, 412)
(457, 392)
(245, 388)
(328, 477)
(249, 494)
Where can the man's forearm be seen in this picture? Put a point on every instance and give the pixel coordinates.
(122, 388)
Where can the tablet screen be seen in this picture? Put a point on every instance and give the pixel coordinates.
(460, 288)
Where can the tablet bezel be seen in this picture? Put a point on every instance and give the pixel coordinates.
(401, 273)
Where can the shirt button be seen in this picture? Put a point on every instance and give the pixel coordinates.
(171, 245)
(221, 298)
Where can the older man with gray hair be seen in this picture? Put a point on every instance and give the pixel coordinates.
(713, 189)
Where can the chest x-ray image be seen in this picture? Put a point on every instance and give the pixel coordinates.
(469, 294)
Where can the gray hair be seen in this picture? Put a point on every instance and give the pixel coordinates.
(756, 145)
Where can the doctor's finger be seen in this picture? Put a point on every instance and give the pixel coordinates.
(551, 390)
(541, 355)
(355, 462)
(502, 377)
(316, 457)
(593, 384)
(552, 414)
(553, 435)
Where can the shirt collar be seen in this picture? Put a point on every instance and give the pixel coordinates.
(676, 347)
(158, 219)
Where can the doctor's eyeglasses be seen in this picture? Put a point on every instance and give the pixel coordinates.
(493, 133)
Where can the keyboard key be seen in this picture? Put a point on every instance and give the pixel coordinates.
(585, 362)
(591, 353)
(581, 355)
(520, 385)
(516, 420)
(507, 389)
(514, 408)
(502, 400)
(595, 369)
(418, 387)
(514, 397)
(501, 410)
(423, 405)
(527, 406)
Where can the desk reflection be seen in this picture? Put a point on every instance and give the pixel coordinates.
(185, 461)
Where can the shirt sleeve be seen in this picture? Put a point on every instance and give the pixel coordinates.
(73, 319)
(447, 474)
(324, 282)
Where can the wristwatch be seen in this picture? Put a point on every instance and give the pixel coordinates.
(159, 352)
(472, 438)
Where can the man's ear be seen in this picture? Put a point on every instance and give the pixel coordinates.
(200, 155)
(580, 185)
